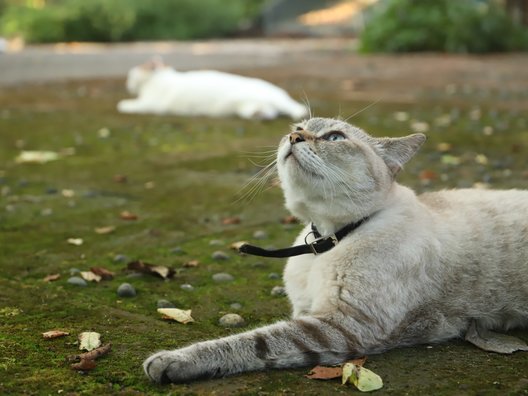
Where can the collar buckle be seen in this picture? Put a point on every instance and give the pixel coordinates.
(313, 245)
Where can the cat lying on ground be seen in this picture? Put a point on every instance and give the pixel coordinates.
(163, 90)
(392, 268)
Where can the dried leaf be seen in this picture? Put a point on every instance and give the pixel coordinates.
(151, 269)
(179, 315)
(36, 157)
(428, 175)
(290, 220)
(89, 340)
(120, 178)
(236, 245)
(231, 220)
(103, 273)
(93, 354)
(325, 373)
(84, 365)
(362, 378)
(51, 277)
(75, 241)
(126, 215)
(54, 334)
(104, 230)
(89, 276)
(191, 264)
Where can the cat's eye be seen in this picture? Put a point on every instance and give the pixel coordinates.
(334, 136)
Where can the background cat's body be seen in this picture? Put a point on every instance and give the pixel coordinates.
(418, 270)
(163, 90)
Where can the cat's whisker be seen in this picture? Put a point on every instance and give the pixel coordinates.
(363, 109)
(255, 185)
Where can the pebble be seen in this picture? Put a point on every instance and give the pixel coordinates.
(46, 212)
(74, 271)
(278, 291)
(134, 275)
(219, 255)
(232, 320)
(51, 190)
(259, 264)
(77, 281)
(120, 258)
(216, 242)
(236, 306)
(260, 234)
(177, 250)
(222, 277)
(187, 287)
(164, 304)
(274, 275)
(126, 290)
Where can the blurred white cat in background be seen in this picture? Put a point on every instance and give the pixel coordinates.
(162, 90)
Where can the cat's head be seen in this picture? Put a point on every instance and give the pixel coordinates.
(138, 75)
(332, 172)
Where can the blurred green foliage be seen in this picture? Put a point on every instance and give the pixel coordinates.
(123, 20)
(442, 25)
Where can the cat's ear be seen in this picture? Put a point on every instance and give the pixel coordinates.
(397, 151)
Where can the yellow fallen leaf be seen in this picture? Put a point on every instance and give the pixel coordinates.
(54, 334)
(89, 276)
(362, 378)
(36, 157)
(179, 315)
(75, 241)
(104, 230)
(89, 340)
(236, 245)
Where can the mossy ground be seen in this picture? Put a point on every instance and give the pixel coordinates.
(183, 176)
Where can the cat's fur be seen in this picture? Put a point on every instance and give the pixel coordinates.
(421, 269)
(163, 90)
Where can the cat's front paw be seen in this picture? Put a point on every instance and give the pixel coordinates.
(164, 367)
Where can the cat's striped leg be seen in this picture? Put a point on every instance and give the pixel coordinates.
(297, 343)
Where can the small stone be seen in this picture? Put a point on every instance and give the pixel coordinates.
(274, 275)
(120, 258)
(164, 304)
(74, 271)
(236, 306)
(260, 234)
(222, 277)
(260, 265)
(278, 291)
(46, 212)
(126, 290)
(77, 281)
(135, 275)
(216, 242)
(187, 287)
(51, 190)
(177, 250)
(232, 320)
(219, 255)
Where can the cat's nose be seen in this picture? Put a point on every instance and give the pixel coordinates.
(296, 137)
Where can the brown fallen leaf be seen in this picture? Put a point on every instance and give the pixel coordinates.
(151, 269)
(191, 264)
(120, 178)
(89, 276)
(84, 365)
(359, 361)
(49, 335)
(93, 354)
(103, 273)
(325, 373)
(290, 220)
(51, 277)
(428, 175)
(231, 220)
(126, 215)
(104, 230)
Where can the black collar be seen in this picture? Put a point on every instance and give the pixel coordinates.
(318, 246)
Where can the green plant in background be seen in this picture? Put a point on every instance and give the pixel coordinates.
(123, 20)
(442, 25)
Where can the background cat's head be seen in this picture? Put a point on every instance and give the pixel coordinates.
(333, 173)
(138, 75)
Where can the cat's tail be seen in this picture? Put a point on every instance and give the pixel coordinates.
(297, 343)
(294, 110)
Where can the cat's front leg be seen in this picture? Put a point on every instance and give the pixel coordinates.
(132, 106)
(305, 341)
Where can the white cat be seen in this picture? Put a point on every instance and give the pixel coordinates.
(391, 269)
(163, 90)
